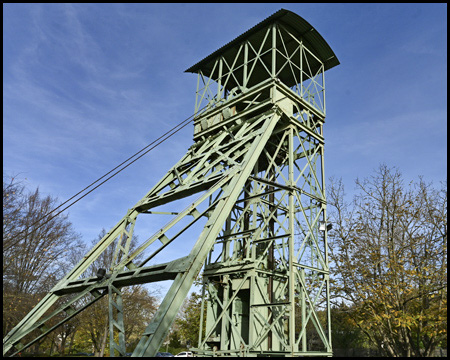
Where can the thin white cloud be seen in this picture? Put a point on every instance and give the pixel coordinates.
(94, 83)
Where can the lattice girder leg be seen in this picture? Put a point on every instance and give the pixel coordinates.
(272, 211)
(212, 164)
(34, 319)
(116, 324)
(157, 330)
(115, 303)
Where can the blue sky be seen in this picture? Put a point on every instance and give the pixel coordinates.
(87, 85)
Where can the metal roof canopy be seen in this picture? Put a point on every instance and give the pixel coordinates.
(298, 26)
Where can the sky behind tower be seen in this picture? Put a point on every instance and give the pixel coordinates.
(87, 85)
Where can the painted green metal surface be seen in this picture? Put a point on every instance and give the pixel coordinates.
(257, 167)
(266, 281)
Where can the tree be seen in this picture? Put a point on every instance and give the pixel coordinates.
(34, 248)
(388, 249)
(139, 305)
(13, 203)
(344, 332)
(188, 321)
(174, 346)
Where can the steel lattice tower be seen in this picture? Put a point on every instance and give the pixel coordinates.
(257, 167)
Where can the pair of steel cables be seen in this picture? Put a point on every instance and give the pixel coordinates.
(116, 170)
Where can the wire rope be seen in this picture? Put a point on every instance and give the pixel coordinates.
(164, 137)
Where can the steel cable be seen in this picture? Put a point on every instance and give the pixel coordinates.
(164, 137)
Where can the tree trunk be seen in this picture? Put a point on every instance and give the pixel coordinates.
(72, 338)
(103, 344)
(63, 345)
(51, 345)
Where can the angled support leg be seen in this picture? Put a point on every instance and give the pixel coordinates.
(220, 165)
(116, 324)
(33, 318)
(157, 330)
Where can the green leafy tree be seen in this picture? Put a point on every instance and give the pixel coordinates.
(345, 333)
(389, 257)
(139, 306)
(188, 322)
(175, 345)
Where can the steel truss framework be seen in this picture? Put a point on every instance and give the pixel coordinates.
(257, 168)
(266, 281)
(280, 54)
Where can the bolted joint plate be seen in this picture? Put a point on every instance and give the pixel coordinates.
(180, 265)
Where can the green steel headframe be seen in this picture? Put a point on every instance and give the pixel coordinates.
(257, 169)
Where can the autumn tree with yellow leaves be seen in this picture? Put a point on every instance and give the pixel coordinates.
(388, 250)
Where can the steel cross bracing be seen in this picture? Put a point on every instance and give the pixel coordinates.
(275, 53)
(257, 168)
(266, 281)
(218, 166)
(267, 277)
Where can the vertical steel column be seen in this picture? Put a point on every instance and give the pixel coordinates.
(115, 302)
(291, 268)
(245, 74)
(301, 68)
(197, 100)
(303, 309)
(325, 239)
(219, 81)
(115, 307)
(274, 50)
